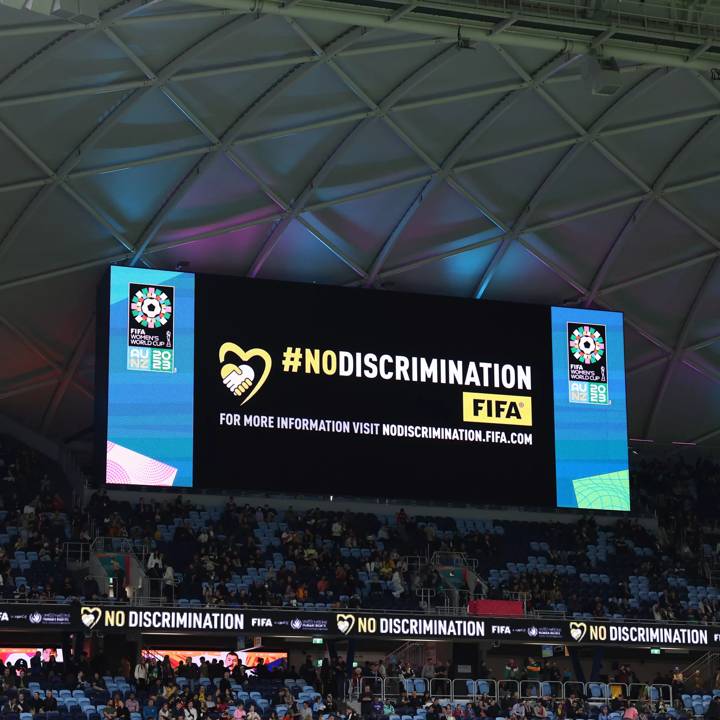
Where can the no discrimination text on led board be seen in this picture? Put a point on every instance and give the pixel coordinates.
(224, 383)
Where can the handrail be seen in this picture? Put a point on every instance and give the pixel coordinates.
(393, 687)
(125, 545)
(635, 691)
(707, 658)
(76, 552)
(441, 687)
(355, 686)
(454, 601)
(536, 688)
(401, 650)
(465, 685)
(576, 688)
(458, 560)
(415, 561)
(508, 688)
(643, 17)
(665, 693)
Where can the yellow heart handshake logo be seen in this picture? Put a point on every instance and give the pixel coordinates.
(345, 622)
(578, 630)
(240, 379)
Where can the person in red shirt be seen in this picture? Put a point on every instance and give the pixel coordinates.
(631, 712)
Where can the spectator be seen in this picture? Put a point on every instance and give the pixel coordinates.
(511, 671)
(141, 674)
(35, 664)
(117, 579)
(191, 712)
(121, 711)
(36, 703)
(713, 711)
(330, 705)
(23, 705)
(155, 564)
(50, 703)
(697, 682)
(149, 711)
(98, 684)
(377, 708)
(11, 706)
(631, 712)
(168, 579)
(109, 711)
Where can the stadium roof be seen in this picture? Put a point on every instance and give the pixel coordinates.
(455, 148)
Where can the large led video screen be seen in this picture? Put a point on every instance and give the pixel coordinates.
(224, 383)
(229, 658)
(23, 655)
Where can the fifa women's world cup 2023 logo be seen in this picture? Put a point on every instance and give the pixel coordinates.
(151, 320)
(587, 364)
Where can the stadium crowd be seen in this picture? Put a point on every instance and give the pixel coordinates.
(83, 688)
(235, 554)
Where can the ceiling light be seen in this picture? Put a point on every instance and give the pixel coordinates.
(602, 75)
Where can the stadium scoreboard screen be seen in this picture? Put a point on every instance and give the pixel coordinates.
(222, 383)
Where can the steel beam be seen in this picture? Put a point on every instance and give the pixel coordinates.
(519, 224)
(67, 375)
(444, 171)
(108, 122)
(226, 142)
(642, 208)
(37, 348)
(703, 343)
(679, 348)
(378, 110)
(706, 436)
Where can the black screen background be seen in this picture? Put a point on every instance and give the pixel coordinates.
(273, 315)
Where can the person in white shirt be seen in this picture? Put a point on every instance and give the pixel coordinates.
(169, 576)
(396, 584)
(155, 564)
(191, 712)
(141, 673)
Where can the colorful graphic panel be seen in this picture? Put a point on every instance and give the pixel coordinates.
(591, 456)
(151, 368)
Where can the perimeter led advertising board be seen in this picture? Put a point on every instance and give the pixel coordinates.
(224, 383)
